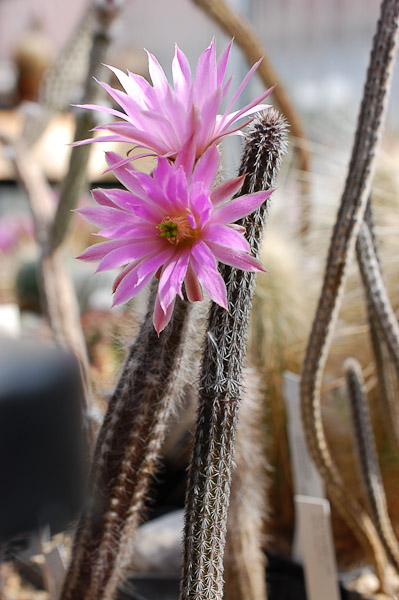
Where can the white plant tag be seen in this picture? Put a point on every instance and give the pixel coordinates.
(307, 480)
(313, 543)
(56, 570)
(10, 322)
(317, 548)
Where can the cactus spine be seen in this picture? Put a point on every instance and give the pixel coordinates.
(125, 458)
(220, 383)
(349, 219)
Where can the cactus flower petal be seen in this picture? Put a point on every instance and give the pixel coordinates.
(159, 117)
(167, 224)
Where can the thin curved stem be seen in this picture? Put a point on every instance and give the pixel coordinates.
(369, 468)
(386, 372)
(376, 292)
(349, 218)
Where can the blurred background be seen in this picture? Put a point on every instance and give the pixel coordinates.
(320, 50)
(319, 47)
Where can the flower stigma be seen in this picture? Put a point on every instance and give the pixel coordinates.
(176, 230)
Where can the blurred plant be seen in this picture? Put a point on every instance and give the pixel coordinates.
(236, 26)
(13, 229)
(75, 182)
(61, 80)
(368, 467)
(280, 320)
(58, 294)
(347, 227)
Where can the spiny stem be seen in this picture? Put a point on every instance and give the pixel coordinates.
(75, 181)
(125, 458)
(384, 330)
(349, 218)
(376, 292)
(244, 559)
(388, 383)
(61, 79)
(369, 468)
(386, 374)
(220, 383)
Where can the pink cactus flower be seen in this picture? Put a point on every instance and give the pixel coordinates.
(173, 226)
(13, 229)
(162, 118)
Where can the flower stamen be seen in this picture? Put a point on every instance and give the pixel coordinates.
(176, 229)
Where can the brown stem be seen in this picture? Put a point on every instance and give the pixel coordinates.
(210, 472)
(349, 218)
(75, 182)
(386, 372)
(369, 468)
(125, 458)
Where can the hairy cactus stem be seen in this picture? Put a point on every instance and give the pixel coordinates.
(75, 182)
(376, 292)
(386, 366)
(244, 558)
(367, 460)
(126, 456)
(220, 382)
(349, 219)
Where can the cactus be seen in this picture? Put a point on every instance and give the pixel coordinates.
(350, 215)
(220, 383)
(75, 182)
(125, 457)
(244, 559)
(368, 461)
(376, 292)
(386, 372)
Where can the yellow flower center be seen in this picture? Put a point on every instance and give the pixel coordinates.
(176, 230)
